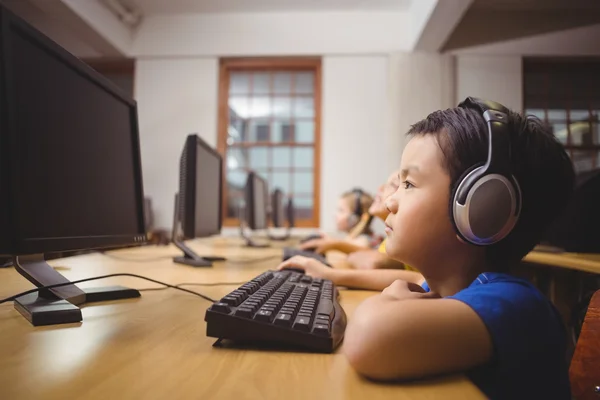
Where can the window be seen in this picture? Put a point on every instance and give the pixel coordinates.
(566, 94)
(269, 122)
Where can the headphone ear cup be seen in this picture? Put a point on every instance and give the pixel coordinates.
(352, 221)
(485, 207)
(458, 226)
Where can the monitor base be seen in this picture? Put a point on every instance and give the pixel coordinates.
(40, 310)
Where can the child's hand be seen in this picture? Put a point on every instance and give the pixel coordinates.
(319, 245)
(402, 290)
(310, 266)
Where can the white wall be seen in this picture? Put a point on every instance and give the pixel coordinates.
(498, 78)
(259, 34)
(175, 98)
(353, 130)
(420, 83)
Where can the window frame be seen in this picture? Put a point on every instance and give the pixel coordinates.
(229, 65)
(548, 67)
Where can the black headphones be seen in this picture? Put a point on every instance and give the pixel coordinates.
(357, 211)
(486, 200)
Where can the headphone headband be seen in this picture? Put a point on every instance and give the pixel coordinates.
(496, 118)
(358, 194)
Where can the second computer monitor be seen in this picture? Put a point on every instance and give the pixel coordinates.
(200, 178)
(257, 197)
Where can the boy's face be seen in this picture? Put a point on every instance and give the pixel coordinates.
(342, 215)
(418, 227)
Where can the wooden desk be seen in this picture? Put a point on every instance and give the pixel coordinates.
(580, 262)
(155, 347)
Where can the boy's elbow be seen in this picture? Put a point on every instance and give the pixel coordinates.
(369, 353)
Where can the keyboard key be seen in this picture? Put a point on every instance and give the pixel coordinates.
(302, 324)
(232, 301)
(244, 312)
(321, 329)
(283, 319)
(264, 315)
(221, 307)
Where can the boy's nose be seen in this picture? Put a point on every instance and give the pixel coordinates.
(391, 204)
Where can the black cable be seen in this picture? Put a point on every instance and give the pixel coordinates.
(136, 259)
(195, 284)
(234, 261)
(253, 260)
(12, 298)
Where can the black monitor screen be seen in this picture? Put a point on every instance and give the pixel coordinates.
(257, 198)
(200, 189)
(76, 164)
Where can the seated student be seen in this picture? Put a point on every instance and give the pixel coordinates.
(351, 217)
(368, 258)
(469, 315)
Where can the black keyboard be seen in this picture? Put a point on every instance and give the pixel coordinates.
(289, 252)
(280, 308)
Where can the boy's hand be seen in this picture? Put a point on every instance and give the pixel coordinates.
(402, 290)
(310, 266)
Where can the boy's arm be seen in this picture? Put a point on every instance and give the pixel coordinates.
(373, 259)
(377, 279)
(325, 245)
(404, 337)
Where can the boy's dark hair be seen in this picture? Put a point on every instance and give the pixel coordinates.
(539, 163)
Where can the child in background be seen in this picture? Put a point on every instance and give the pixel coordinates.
(352, 218)
(467, 314)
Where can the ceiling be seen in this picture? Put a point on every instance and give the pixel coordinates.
(153, 7)
(492, 21)
(58, 26)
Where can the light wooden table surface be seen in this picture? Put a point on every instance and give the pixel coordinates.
(155, 347)
(580, 262)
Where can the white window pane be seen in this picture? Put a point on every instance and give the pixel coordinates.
(261, 107)
(303, 182)
(281, 131)
(239, 83)
(560, 131)
(258, 130)
(304, 82)
(259, 157)
(281, 180)
(239, 107)
(559, 115)
(304, 107)
(282, 107)
(282, 82)
(305, 132)
(282, 157)
(260, 83)
(303, 157)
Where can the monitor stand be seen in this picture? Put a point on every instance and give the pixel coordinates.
(286, 236)
(248, 239)
(191, 258)
(58, 305)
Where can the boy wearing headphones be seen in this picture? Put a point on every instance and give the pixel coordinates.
(479, 186)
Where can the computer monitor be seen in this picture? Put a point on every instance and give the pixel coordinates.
(197, 211)
(577, 230)
(256, 210)
(70, 170)
(279, 210)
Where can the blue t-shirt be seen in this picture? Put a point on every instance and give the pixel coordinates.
(529, 360)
